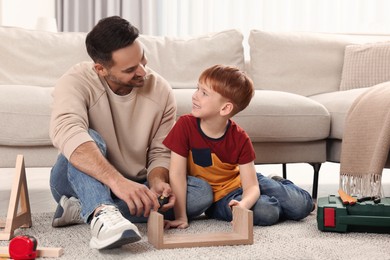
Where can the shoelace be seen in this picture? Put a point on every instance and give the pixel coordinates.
(110, 215)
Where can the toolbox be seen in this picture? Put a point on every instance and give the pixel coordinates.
(367, 216)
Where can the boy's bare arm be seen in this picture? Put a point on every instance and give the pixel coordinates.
(250, 186)
(178, 181)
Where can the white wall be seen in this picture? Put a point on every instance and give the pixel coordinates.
(25, 13)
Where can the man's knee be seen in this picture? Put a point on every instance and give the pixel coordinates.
(98, 140)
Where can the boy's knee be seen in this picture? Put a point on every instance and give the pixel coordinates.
(199, 196)
(265, 214)
(302, 210)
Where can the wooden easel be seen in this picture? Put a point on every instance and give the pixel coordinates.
(15, 220)
(242, 233)
(19, 194)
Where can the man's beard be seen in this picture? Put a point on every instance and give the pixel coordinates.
(136, 82)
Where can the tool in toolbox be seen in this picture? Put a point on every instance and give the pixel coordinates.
(347, 199)
(368, 215)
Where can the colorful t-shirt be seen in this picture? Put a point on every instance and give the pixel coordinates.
(213, 160)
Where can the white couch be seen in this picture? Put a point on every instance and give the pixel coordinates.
(297, 114)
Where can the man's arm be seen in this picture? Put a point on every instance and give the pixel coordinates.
(158, 180)
(88, 158)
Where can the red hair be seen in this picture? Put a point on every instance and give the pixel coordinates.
(231, 83)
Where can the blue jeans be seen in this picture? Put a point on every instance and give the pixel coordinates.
(66, 180)
(278, 201)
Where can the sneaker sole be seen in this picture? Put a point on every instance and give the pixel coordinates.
(59, 212)
(127, 237)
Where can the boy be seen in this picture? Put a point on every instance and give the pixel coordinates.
(209, 145)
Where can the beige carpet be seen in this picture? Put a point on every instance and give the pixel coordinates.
(287, 240)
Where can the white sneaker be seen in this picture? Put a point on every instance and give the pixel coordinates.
(110, 229)
(67, 212)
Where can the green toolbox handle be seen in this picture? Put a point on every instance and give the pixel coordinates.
(364, 220)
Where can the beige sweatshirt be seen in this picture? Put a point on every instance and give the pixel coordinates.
(133, 126)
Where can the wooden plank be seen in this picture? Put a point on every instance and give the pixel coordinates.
(156, 229)
(41, 251)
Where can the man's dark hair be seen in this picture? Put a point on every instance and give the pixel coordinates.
(108, 35)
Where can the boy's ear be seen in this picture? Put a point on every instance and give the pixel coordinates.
(226, 109)
(100, 70)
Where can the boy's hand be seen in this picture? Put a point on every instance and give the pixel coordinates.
(178, 223)
(233, 203)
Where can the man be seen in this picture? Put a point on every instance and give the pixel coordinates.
(109, 119)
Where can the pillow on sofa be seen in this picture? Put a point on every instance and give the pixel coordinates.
(296, 62)
(181, 60)
(365, 65)
(38, 57)
(303, 63)
(25, 113)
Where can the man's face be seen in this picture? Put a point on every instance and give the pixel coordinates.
(128, 70)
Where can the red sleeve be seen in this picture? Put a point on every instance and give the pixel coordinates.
(178, 138)
(247, 154)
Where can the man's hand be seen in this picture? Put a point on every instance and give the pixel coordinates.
(138, 197)
(158, 182)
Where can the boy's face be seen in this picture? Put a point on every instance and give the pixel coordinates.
(206, 103)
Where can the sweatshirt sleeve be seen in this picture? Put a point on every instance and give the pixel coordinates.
(159, 155)
(69, 120)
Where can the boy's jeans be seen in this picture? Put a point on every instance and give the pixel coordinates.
(69, 181)
(278, 201)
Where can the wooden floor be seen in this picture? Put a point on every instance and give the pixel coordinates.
(41, 199)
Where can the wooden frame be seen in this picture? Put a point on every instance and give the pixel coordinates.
(19, 194)
(242, 233)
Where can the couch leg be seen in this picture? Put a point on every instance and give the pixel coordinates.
(284, 167)
(316, 167)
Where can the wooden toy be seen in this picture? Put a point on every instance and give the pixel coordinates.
(242, 233)
(19, 194)
(21, 219)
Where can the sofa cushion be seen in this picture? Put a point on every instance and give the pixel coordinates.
(182, 60)
(274, 116)
(299, 62)
(25, 115)
(38, 58)
(365, 65)
(338, 104)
